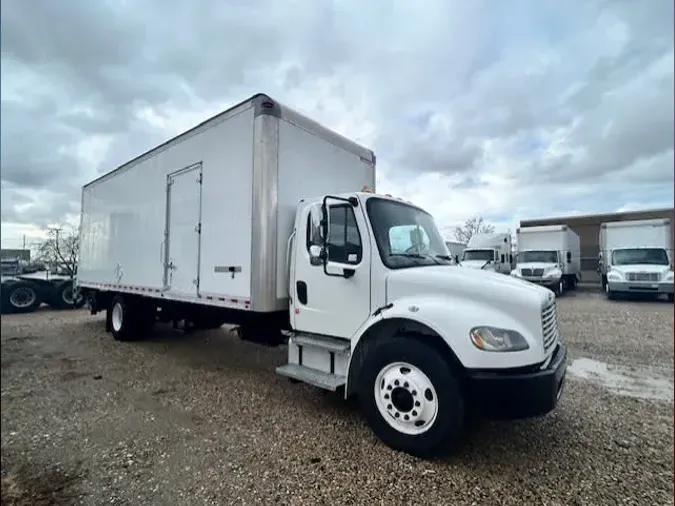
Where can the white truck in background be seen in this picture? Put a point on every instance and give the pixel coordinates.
(549, 256)
(491, 252)
(259, 217)
(456, 250)
(637, 257)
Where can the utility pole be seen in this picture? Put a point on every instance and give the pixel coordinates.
(24, 242)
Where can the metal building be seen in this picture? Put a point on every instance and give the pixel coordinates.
(588, 229)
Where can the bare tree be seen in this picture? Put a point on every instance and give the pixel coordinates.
(471, 227)
(59, 250)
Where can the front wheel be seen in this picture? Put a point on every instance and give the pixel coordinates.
(411, 398)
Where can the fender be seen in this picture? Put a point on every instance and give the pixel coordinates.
(446, 322)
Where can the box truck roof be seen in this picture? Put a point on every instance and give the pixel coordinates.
(263, 104)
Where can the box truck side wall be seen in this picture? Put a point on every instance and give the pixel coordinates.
(312, 162)
(126, 214)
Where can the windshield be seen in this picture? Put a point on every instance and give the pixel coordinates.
(650, 256)
(547, 257)
(478, 254)
(405, 235)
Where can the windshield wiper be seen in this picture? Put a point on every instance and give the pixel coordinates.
(420, 256)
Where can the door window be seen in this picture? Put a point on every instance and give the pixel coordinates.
(344, 241)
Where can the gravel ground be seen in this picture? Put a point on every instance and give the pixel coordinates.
(203, 419)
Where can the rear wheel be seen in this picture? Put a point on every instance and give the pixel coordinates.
(411, 398)
(66, 297)
(20, 297)
(128, 319)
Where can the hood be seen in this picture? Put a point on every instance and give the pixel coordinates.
(490, 287)
(477, 264)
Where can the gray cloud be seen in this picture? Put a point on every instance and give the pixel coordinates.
(573, 94)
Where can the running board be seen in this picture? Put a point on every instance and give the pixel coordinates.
(323, 342)
(314, 377)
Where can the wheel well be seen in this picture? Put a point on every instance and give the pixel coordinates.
(392, 328)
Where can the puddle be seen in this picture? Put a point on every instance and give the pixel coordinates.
(622, 380)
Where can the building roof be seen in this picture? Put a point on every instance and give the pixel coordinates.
(619, 216)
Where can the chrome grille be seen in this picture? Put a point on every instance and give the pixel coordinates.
(538, 272)
(549, 324)
(526, 272)
(642, 276)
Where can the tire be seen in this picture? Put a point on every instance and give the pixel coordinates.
(560, 288)
(384, 374)
(63, 297)
(608, 292)
(20, 297)
(127, 319)
(671, 298)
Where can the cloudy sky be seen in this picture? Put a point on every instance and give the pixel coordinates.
(506, 109)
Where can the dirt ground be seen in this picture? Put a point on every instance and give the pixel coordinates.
(203, 419)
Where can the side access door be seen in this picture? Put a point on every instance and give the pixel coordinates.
(182, 234)
(331, 297)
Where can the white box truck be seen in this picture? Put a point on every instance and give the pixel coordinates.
(550, 256)
(456, 250)
(259, 217)
(636, 257)
(490, 252)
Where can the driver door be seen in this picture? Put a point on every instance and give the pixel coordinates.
(332, 299)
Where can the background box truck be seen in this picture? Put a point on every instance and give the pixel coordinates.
(550, 256)
(636, 257)
(257, 217)
(490, 252)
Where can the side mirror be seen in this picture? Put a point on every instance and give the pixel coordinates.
(315, 255)
(569, 257)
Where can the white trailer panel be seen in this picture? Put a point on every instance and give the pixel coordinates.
(654, 233)
(206, 217)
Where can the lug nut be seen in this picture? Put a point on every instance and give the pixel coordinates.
(414, 413)
(406, 417)
(397, 383)
(388, 387)
(417, 404)
(414, 392)
(386, 396)
(388, 406)
(405, 385)
(397, 414)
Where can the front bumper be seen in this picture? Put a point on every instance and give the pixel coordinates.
(520, 393)
(550, 283)
(640, 287)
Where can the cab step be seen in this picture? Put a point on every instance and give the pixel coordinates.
(311, 376)
(324, 342)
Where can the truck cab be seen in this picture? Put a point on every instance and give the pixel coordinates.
(491, 252)
(638, 270)
(377, 308)
(544, 267)
(635, 257)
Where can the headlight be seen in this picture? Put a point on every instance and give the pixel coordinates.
(669, 276)
(553, 273)
(614, 276)
(515, 272)
(496, 339)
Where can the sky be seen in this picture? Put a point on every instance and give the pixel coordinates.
(503, 109)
